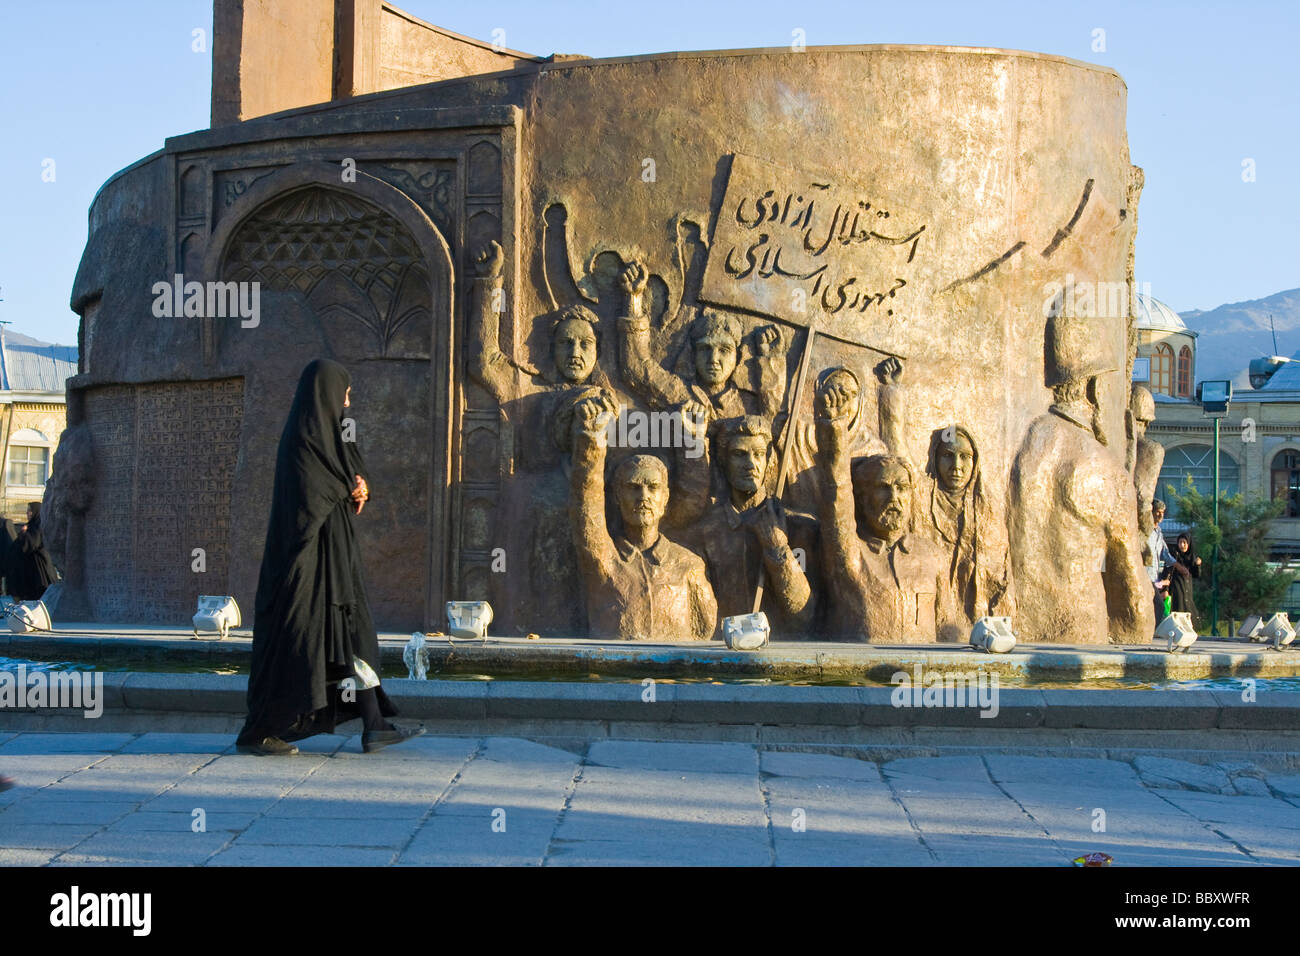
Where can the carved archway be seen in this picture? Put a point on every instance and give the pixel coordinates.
(376, 277)
(347, 256)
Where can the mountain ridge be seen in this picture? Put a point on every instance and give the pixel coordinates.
(1229, 336)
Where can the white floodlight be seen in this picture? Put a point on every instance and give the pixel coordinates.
(746, 632)
(469, 619)
(27, 616)
(1279, 630)
(1177, 629)
(1253, 629)
(217, 612)
(993, 635)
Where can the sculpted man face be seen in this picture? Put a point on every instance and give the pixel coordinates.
(641, 487)
(574, 348)
(745, 455)
(955, 461)
(886, 495)
(1142, 408)
(716, 343)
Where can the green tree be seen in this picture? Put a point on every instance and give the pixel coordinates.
(1247, 585)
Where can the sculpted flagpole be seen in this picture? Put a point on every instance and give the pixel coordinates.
(783, 467)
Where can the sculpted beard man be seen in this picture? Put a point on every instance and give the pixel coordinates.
(884, 586)
(1075, 548)
(639, 586)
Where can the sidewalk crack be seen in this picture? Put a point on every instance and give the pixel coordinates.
(479, 750)
(911, 821)
(570, 789)
(767, 814)
(1007, 793)
(1205, 823)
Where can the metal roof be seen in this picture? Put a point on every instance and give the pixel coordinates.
(1154, 314)
(1285, 378)
(29, 365)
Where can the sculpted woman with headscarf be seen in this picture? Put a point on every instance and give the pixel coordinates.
(964, 523)
(315, 649)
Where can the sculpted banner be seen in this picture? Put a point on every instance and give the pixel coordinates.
(812, 249)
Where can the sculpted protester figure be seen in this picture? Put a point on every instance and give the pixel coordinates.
(747, 535)
(574, 355)
(532, 523)
(969, 532)
(1145, 458)
(804, 489)
(727, 375)
(689, 496)
(638, 585)
(884, 583)
(1075, 545)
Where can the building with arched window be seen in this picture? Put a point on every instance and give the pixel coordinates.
(1166, 350)
(1259, 441)
(1184, 384)
(33, 412)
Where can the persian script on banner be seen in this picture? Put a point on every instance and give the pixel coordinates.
(812, 249)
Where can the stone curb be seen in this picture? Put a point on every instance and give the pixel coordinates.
(791, 660)
(754, 705)
(209, 694)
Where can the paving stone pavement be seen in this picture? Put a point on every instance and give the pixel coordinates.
(161, 799)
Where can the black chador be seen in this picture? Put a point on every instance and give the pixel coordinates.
(30, 570)
(312, 626)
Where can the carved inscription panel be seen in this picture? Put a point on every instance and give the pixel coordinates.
(165, 464)
(813, 250)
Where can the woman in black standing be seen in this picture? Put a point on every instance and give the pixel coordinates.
(315, 650)
(1185, 567)
(30, 569)
(8, 552)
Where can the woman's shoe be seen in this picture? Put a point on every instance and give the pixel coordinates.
(269, 747)
(372, 740)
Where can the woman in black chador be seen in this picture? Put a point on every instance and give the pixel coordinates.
(1187, 565)
(311, 627)
(30, 570)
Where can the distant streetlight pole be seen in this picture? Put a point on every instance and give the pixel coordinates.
(1214, 555)
(1215, 396)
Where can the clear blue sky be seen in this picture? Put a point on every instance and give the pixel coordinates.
(97, 84)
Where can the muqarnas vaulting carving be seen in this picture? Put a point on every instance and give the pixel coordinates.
(349, 258)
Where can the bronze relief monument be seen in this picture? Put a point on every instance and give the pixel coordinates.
(626, 364)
